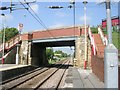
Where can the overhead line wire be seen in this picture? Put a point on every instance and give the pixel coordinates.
(37, 16)
(40, 22)
(32, 14)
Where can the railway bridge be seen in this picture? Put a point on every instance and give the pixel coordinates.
(31, 47)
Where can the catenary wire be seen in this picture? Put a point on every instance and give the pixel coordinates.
(40, 22)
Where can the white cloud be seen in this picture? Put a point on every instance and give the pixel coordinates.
(7, 18)
(88, 19)
(60, 14)
(57, 25)
(99, 1)
(35, 7)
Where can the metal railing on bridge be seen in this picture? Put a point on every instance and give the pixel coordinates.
(12, 42)
(8, 45)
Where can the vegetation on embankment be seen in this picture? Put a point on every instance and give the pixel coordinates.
(9, 33)
(54, 56)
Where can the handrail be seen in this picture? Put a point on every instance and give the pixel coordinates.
(92, 41)
(94, 46)
(104, 39)
(11, 42)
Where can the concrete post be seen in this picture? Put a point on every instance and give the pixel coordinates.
(109, 29)
(111, 67)
(17, 54)
(17, 59)
(110, 56)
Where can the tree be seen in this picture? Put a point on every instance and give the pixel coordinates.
(49, 53)
(9, 33)
(60, 54)
(64, 55)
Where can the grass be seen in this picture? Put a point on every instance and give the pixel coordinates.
(54, 61)
(116, 41)
(115, 38)
(94, 30)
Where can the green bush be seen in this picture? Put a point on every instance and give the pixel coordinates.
(94, 30)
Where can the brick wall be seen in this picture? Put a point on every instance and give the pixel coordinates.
(98, 67)
(27, 36)
(62, 32)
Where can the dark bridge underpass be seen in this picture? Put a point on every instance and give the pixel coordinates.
(38, 51)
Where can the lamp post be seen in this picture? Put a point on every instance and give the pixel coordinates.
(85, 62)
(3, 45)
(110, 56)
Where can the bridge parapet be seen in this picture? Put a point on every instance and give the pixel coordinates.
(27, 36)
(55, 33)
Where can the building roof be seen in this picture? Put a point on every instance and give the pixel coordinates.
(114, 17)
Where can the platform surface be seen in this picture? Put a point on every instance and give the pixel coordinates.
(89, 79)
(10, 66)
(80, 78)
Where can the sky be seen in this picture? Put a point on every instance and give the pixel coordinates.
(55, 18)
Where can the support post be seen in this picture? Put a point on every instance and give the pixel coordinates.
(109, 29)
(111, 67)
(17, 55)
(85, 62)
(110, 56)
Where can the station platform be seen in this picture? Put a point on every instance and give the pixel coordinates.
(8, 71)
(4, 67)
(80, 78)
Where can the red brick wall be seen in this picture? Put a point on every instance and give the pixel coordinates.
(98, 67)
(54, 33)
(62, 32)
(115, 21)
(26, 36)
(83, 31)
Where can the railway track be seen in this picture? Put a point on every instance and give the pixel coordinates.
(47, 77)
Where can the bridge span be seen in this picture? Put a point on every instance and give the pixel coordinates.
(32, 46)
